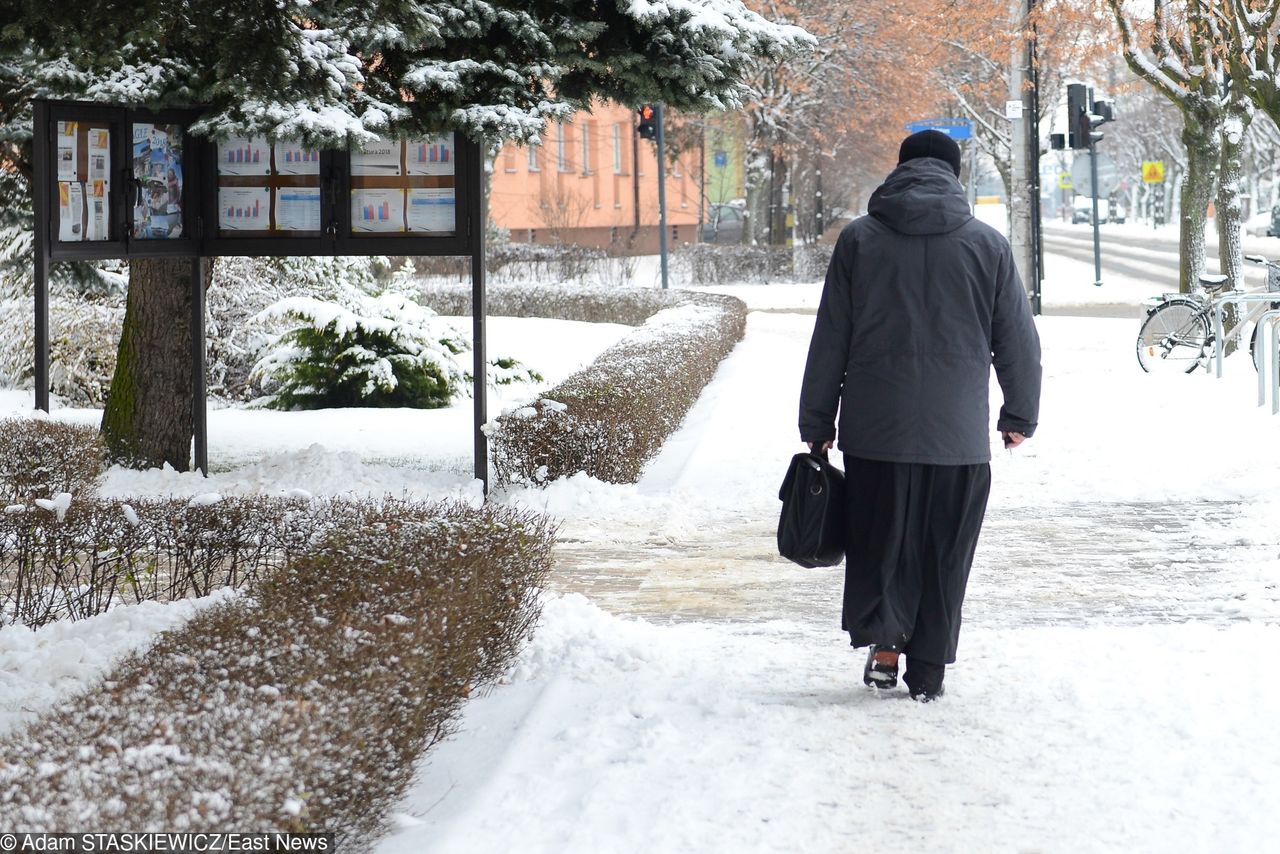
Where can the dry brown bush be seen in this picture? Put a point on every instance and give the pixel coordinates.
(611, 418)
(99, 553)
(302, 705)
(40, 458)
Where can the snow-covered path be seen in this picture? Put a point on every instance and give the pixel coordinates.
(1112, 691)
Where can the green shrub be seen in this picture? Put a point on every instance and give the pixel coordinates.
(394, 354)
(40, 458)
(302, 705)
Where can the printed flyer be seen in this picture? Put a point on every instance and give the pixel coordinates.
(100, 155)
(431, 156)
(377, 210)
(298, 208)
(97, 225)
(432, 210)
(241, 155)
(70, 211)
(377, 158)
(244, 208)
(293, 159)
(68, 151)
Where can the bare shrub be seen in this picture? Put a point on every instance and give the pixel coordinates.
(612, 417)
(302, 705)
(80, 560)
(710, 264)
(40, 458)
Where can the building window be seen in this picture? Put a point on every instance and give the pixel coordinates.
(562, 148)
(533, 158)
(617, 149)
(509, 158)
(586, 149)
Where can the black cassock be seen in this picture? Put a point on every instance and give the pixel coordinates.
(911, 533)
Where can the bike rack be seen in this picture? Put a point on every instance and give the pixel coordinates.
(1269, 359)
(1269, 323)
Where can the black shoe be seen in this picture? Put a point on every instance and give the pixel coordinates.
(924, 680)
(878, 675)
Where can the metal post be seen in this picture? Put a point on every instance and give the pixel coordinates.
(39, 193)
(662, 192)
(1033, 137)
(479, 310)
(817, 204)
(1097, 237)
(973, 172)
(199, 391)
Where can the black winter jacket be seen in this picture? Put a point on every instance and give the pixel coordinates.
(920, 300)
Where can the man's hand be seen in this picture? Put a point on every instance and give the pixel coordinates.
(1011, 440)
(826, 446)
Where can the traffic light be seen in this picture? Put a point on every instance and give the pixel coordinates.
(1078, 125)
(648, 128)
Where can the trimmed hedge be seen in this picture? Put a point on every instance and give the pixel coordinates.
(40, 458)
(79, 559)
(301, 706)
(611, 418)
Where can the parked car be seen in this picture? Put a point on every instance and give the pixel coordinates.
(1259, 225)
(1082, 210)
(725, 224)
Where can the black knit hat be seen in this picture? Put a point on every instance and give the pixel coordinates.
(930, 143)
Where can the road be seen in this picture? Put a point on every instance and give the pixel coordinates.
(1138, 255)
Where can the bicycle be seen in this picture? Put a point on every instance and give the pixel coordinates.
(1177, 334)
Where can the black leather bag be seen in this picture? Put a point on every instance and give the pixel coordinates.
(811, 527)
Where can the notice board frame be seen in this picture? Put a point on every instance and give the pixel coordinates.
(201, 240)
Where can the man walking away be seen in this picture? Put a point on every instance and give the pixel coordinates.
(920, 300)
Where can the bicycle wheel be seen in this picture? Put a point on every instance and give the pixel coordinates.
(1173, 338)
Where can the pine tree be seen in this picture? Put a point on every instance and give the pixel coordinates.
(332, 72)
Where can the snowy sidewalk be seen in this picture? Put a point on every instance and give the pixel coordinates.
(1112, 690)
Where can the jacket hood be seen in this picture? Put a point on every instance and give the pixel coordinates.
(921, 196)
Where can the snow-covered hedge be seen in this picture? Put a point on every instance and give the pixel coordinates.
(611, 418)
(710, 264)
(40, 458)
(630, 306)
(301, 705)
(71, 558)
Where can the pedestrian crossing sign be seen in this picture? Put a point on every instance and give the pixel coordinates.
(1064, 180)
(1153, 171)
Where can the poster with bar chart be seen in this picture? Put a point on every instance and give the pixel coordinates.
(244, 208)
(293, 159)
(244, 156)
(381, 157)
(432, 210)
(377, 210)
(431, 156)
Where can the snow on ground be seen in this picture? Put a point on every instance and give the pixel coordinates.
(1112, 692)
(416, 452)
(38, 668)
(619, 735)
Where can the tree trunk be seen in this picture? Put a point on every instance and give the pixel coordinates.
(1197, 188)
(1230, 251)
(148, 418)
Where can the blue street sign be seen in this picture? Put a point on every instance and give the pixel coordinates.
(722, 159)
(954, 128)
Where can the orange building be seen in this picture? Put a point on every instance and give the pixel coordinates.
(594, 182)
